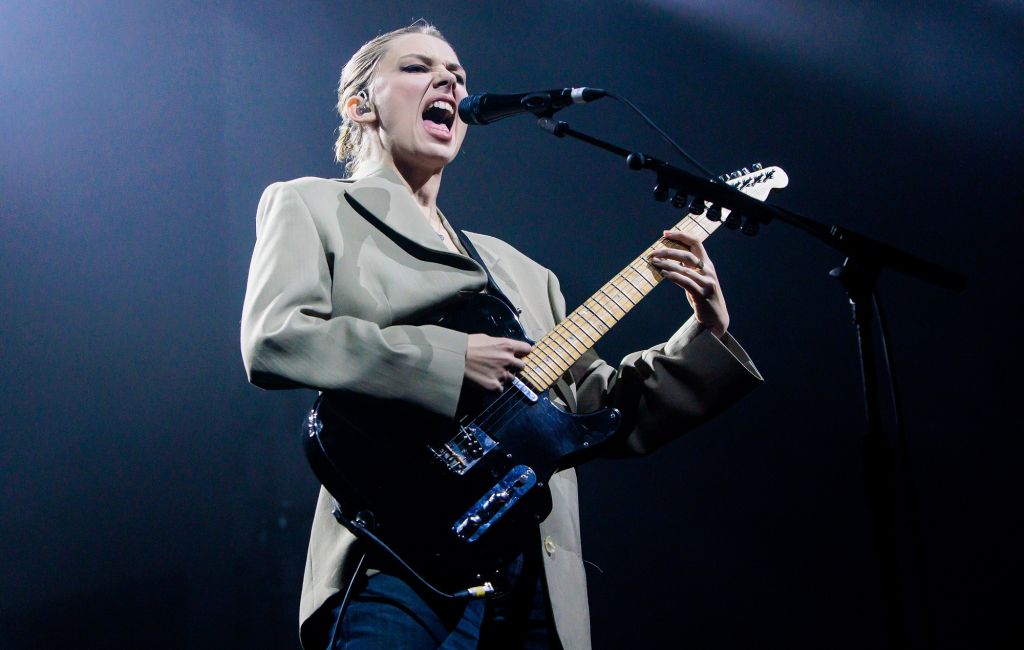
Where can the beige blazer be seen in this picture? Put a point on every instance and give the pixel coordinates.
(329, 303)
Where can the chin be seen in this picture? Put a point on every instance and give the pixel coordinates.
(434, 156)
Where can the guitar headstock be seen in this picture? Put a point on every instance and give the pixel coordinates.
(757, 180)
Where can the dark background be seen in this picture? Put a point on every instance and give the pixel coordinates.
(151, 497)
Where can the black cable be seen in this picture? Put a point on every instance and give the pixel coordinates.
(908, 483)
(360, 530)
(348, 590)
(664, 136)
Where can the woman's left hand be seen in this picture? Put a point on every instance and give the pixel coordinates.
(690, 268)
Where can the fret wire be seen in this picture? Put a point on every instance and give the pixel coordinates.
(601, 320)
(621, 292)
(644, 277)
(693, 220)
(532, 384)
(545, 342)
(569, 341)
(550, 366)
(625, 306)
(615, 318)
(614, 302)
(562, 344)
(541, 371)
(583, 323)
(639, 290)
(584, 338)
(535, 381)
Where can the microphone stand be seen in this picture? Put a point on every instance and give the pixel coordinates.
(864, 260)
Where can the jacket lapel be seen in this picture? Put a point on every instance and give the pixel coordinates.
(384, 200)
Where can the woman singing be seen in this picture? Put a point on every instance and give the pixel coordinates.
(340, 273)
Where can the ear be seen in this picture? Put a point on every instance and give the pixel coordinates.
(359, 110)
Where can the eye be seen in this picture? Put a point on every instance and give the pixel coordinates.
(414, 67)
(460, 79)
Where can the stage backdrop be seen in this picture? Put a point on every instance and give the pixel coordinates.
(151, 497)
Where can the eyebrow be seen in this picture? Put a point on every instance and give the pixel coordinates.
(454, 67)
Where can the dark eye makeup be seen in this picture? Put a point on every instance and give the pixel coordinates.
(419, 67)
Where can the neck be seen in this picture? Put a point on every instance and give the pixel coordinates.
(424, 185)
(423, 182)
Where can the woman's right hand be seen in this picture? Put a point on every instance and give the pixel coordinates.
(491, 362)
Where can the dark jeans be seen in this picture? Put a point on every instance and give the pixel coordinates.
(386, 613)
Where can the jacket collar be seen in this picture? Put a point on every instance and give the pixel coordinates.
(379, 190)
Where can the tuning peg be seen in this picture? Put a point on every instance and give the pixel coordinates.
(732, 222)
(660, 192)
(679, 200)
(715, 213)
(750, 226)
(697, 205)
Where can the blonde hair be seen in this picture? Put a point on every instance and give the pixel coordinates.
(357, 78)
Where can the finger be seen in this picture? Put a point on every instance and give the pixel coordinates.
(519, 348)
(681, 237)
(693, 290)
(681, 265)
(516, 364)
(693, 280)
(678, 255)
(694, 244)
(708, 284)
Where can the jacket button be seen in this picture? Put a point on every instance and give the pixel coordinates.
(549, 545)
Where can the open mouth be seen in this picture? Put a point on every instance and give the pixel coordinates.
(439, 117)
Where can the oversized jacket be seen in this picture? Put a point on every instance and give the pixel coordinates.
(329, 303)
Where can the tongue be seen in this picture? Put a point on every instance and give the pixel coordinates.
(436, 129)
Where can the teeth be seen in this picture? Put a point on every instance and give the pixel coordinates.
(443, 105)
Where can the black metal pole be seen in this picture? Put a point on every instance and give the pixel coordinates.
(879, 480)
(865, 258)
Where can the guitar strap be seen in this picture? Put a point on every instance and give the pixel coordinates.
(492, 286)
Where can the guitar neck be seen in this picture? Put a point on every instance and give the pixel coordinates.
(553, 355)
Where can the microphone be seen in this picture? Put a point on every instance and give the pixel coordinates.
(490, 107)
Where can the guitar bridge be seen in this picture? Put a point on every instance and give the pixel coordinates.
(465, 449)
(495, 503)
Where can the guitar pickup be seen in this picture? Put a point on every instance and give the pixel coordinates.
(491, 506)
(465, 449)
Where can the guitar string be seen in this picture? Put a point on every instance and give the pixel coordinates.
(507, 405)
(500, 410)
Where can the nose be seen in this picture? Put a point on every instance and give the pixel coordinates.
(445, 78)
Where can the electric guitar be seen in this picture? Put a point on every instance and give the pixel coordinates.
(453, 503)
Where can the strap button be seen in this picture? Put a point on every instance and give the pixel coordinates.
(549, 545)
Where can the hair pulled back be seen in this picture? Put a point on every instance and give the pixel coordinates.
(357, 77)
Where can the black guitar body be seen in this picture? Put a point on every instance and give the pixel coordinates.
(454, 501)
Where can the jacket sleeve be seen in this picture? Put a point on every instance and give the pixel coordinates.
(293, 336)
(665, 390)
